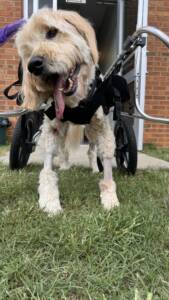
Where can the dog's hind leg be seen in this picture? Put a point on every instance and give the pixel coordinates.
(64, 163)
(48, 181)
(100, 131)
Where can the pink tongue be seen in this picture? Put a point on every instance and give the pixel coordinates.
(58, 98)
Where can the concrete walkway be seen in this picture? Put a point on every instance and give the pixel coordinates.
(80, 158)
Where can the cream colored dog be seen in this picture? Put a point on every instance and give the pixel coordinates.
(59, 55)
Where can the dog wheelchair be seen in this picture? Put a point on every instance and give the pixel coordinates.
(27, 127)
(28, 124)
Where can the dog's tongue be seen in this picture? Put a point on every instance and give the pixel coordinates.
(58, 98)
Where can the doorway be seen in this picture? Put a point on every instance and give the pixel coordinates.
(113, 21)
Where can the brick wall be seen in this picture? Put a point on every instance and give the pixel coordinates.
(10, 11)
(157, 89)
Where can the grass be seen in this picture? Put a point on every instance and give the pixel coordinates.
(85, 253)
(162, 153)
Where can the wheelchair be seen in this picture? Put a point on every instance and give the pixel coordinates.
(28, 124)
(27, 130)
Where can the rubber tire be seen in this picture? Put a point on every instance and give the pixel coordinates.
(19, 152)
(99, 164)
(132, 149)
(124, 131)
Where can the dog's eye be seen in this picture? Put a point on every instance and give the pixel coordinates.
(51, 33)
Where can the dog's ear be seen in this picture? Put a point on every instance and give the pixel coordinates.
(85, 29)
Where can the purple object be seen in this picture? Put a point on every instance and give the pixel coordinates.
(9, 30)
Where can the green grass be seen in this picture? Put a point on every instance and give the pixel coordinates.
(162, 153)
(85, 253)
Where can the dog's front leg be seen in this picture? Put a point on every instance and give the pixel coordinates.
(48, 181)
(108, 186)
(99, 131)
(106, 146)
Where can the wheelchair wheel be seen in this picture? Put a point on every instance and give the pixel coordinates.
(19, 153)
(22, 145)
(99, 164)
(126, 147)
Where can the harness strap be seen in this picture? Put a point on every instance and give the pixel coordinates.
(7, 89)
(96, 82)
(50, 112)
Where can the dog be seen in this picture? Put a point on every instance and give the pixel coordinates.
(59, 55)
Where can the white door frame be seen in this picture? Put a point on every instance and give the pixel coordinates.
(141, 69)
(35, 7)
(120, 25)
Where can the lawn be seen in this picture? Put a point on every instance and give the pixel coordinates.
(85, 253)
(162, 153)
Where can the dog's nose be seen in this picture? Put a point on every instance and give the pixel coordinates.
(36, 65)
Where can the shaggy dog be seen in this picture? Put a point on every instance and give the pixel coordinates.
(59, 56)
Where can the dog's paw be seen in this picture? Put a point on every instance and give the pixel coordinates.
(109, 200)
(95, 169)
(50, 206)
(48, 192)
(108, 194)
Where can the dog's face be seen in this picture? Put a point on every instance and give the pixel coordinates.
(58, 51)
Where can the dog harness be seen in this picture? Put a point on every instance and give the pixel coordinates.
(101, 93)
(86, 108)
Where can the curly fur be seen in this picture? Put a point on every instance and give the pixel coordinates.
(75, 43)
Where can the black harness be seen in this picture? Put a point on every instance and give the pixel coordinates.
(72, 113)
(107, 93)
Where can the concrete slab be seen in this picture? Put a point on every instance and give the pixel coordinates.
(79, 158)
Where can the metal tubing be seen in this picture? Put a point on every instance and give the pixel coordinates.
(154, 31)
(165, 39)
(147, 117)
(13, 113)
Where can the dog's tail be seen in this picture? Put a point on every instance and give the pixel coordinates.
(74, 137)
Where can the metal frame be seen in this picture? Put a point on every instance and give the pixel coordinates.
(13, 113)
(165, 39)
(138, 33)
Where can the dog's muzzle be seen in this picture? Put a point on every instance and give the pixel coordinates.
(36, 65)
(63, 84)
